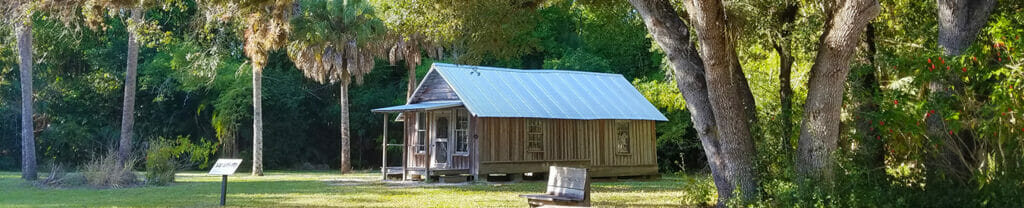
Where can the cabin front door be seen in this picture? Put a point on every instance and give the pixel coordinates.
(442, 129)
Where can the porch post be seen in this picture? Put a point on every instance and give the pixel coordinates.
(430, 145)
(405, 146)
(384, 151)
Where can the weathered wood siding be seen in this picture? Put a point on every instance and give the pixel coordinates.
(579, 143)
(433, 88)
(417, 159)
(413, 158)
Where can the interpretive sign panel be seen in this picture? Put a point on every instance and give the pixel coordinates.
(225, 166)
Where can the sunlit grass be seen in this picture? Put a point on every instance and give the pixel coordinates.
(303, 189)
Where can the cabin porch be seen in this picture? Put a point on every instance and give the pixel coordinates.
(436, 143)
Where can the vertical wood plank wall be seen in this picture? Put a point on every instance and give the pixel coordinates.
(592, 142)
(420, 160)
(589, 143)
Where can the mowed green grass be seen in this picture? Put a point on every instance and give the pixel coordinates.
(328, 189)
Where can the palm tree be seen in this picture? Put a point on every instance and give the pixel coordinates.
(336, 41)
(131, 74)
(265, 29)
(94, 17)
(28, 142)
(18, 13)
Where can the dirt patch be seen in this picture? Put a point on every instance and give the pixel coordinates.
(390, 183)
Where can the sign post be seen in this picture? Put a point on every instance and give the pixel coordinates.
(224, 167)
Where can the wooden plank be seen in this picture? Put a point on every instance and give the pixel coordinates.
(654, 142)
(567, 182)
(528, 167)
(430, 143)
(405, 148)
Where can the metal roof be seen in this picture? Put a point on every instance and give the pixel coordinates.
(557, 94)
(418, 106)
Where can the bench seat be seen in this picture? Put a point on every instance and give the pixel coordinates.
(549, 197)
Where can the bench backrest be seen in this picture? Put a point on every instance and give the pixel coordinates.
(568, 182)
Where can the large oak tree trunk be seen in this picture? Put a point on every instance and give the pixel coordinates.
(729, 94)
(257, 121)
(959, 24)
(28, 142)
(346, 161)
(672, 35)
(819, 132)
(128, 108)
(960, 21)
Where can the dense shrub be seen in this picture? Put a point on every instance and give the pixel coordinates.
(104, 172)
(165, 156)
(160, 163)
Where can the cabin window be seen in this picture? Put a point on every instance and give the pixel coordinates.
(622, 136)
(534, 135)
(421, 132)
(461, 132)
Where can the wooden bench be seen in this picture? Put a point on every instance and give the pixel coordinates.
(566, 187)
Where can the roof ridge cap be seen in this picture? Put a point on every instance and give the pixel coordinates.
(491, 68)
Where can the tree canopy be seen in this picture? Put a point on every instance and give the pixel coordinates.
(835, 103)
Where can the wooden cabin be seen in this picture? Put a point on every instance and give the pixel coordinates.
(477, 121)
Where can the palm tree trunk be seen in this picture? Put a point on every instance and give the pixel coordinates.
(346, 162)
(130, 76)
(28, 142)
(257, 121)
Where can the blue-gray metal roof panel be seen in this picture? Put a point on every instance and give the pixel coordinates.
(500, 92)
(418, 106)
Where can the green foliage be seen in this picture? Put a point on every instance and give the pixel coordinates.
(334, 22)
(678, 147)
(579, 60)
(10, 138)
(165, 156)
(160, 163)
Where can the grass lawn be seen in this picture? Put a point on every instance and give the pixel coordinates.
(321, 189)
